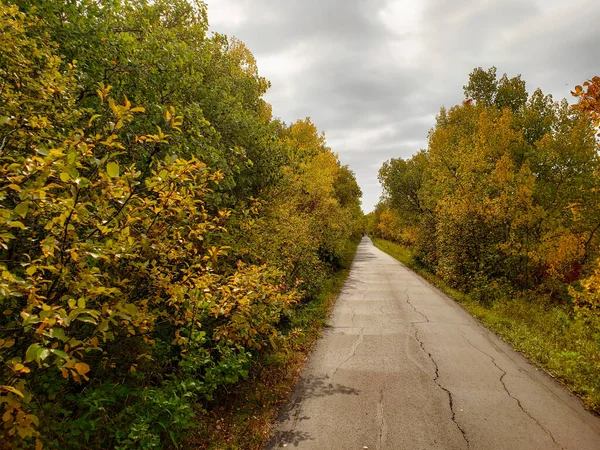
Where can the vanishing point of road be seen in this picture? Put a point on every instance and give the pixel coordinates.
(402, 366)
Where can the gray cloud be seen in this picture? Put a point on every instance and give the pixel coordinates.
(373, 74)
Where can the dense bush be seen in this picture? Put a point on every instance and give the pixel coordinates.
(155, 223)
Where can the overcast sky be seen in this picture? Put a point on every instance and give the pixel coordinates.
(373, 74)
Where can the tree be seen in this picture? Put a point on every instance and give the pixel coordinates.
(488, 91)
(507, 189)
(402, 181)
(482, 86)
(586, 298)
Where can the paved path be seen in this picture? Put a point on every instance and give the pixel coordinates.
(401, 366)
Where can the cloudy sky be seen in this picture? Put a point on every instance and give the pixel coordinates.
(372, 74)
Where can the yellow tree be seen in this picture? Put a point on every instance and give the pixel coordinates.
(511, 188)
(587, 299)
(311, 212)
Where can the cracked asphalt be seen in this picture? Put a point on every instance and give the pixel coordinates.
(402, 366)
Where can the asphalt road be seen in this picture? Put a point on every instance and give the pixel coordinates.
(402, 366)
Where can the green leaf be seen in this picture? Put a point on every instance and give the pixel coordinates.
(82, 182)
(131, 309)
(21, 209)
(63, 355)
(81, 303)
(73, 173)
(64, 176)
(33, 352)
(44, 354)
(16, 224)
(58, 333)
(112, 169)
(71, 156)
(87, 319)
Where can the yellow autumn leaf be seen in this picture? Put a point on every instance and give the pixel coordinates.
(81, 368)
(12, 389)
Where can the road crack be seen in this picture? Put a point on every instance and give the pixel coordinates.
(508, 392)
(436, 381)
(380, 406)
(381, 416)
(352, 353)
(353, 312)
(405, 293)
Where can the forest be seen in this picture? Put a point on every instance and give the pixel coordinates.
(502, 209)
(159, 228)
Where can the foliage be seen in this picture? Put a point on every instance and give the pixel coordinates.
(507, 189)
(589, 99)
(246, 420)
(158, 54)
(133, 224)
(313, 211)
(586, 298)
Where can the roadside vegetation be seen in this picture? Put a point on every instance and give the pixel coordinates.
(245, 416)
(502, 211)
(164, 241)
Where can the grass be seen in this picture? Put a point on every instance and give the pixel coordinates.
(548, 334)
(242, 419)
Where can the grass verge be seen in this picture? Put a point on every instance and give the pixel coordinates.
(548, 334)
(242, 419)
